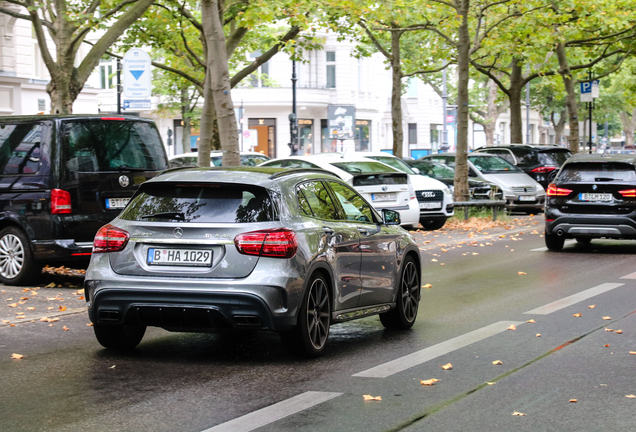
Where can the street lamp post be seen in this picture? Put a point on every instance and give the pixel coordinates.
(293, 119)
(444, 113)
(528, 113)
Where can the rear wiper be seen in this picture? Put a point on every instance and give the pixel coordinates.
(129, 168)
(165, 215)
(604, 179)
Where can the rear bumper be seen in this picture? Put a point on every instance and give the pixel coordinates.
(64, 249)
(590, 225)
(513, 202)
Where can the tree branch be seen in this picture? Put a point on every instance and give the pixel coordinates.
(192, 53)
(234, 40)
(376, 42)
(23, 16)
(426, 71)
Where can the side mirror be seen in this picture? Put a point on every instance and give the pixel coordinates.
(416, 170)
(390, 217)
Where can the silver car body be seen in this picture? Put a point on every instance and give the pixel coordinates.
(405, 201)
(246, 291)
(248, 158)
(520, 190)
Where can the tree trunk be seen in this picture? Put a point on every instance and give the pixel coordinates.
(629, 125)
(571, 103)
(463, 60)
(559, 126)
(490, 125)
(515, 91)
(217, 84)
(396, 96)
(187, 122)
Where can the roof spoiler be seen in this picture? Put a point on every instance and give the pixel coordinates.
(301, 170)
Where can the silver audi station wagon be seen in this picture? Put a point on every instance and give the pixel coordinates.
(293, 251)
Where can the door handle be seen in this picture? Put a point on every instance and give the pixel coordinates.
(328, 230)
(364, 231)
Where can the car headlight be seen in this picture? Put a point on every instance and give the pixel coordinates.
(449, 190)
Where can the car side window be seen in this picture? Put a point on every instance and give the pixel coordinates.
(252, 160)
(354, 207)
(20, 148)
(316, 197)
(504, 154)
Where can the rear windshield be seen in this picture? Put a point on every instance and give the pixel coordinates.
(112, 145)
(379, 179)
(363, 167)
(597, 172)
(394, 162)
(434, 169)
(200, 203)
(493, 165)
(554, 157)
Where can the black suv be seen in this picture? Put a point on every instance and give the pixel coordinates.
(61, 179)
(541, 162)
(593, 196)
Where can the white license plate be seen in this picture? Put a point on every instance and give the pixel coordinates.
(383, 197)
(527, 198)
(595, 197)
(116, 203)
(431, 205)
(180, 257)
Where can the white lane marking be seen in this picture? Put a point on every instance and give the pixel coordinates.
(629, 276)
(543, 249)
(275, 412)
(422, 356)
(573, 299)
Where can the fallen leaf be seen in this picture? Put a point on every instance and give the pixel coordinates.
(576, 315)
(90, 324)
(619, 331)
(80, 298)
(112, 367)
(517, 414)
(607, 345)
(51, 285)
(497, 362)
(512, 327)
(433, 260)
(8, 299)
(490, 383)
(531, 321)
(65, 328)
(49, 308)
(521, 273)
(61, 308)
(427, 286)
(24, 298)
(447, 366)
(592, 306)
(475, 253)
(538, 334)
(15, 356)
(630, 396)
(607, 318)
(5, 321)
(30, 308)
(429, 382)
(13, 305)
(609, 330)
(366, 397)
(632, 352)
(574, 400)
(11, 325)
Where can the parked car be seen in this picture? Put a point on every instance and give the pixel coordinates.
(383, 186)
(478, 189)
(248, 158)
(202, 249)
(62, 178)
(593, 196)
(541, 162)
(521, 191)
(434, 197)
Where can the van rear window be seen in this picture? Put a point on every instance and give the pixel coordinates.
(222, 203)
(20, 146)
(104, 145)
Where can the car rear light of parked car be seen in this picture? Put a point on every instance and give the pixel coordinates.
(629, 193)
(60, 201)
(277, 243)
(543, 169)
(110, 239)
(557, 191)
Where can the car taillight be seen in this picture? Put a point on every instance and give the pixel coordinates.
(557, 191)
(543, 169)
(113, 118)
(629, 193)
(60, 201)
(110, 239)
(278, 243)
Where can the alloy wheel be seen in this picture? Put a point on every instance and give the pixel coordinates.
(11, 256)
(318, 313)
(410, 291)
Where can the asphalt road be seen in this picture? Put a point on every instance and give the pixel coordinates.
(481, 285)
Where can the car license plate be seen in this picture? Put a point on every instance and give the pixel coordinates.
(527, 198)
(595, 197)
(180, 257)
(431, 205)
(383, 197)
(116, 203)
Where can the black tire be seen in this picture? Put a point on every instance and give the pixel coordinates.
(407, 301)
(119, 336)
(434, 224)
(553, 242)
(314, 319)
(17, 265)
(584, 240)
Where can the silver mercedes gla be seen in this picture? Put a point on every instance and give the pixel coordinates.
(293, 251)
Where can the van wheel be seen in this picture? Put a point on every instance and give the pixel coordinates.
(553, 242)
(119, 336)
(17, 265)
(408, 299)
(314, 319)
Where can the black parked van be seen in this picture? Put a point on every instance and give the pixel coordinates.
(61, 179)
